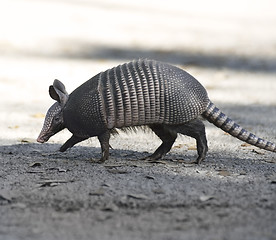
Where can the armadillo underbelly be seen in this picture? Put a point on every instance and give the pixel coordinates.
(145, 92)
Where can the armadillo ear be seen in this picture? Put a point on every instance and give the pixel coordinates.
(60, 86)
(58, 92)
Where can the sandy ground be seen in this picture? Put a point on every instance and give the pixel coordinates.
(229, 47)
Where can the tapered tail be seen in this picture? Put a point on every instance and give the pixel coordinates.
(219, 119)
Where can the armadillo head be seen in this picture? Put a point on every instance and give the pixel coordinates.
(54, 122)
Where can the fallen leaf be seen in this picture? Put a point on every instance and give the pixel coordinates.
(143, 164)
(187, 164)
(52, 183)
(19, 205)
(270, 161)
(224, 173)
(55, 181)
(4, 198)
(58, 169)
(150, 177)
(258, 152)
(156, 161)
(127, 155)
(35, 164)
(225, 133)
(13, 127)
(113, 165)
(192, 147)
(27, 140)
(48, 184)
(158, 191)
(38, 115)
(103, 217)
(112, 207)
(117, 171)
(98, 192)
(246, 145)
(179, 146)
(182, 219)
(36, 171)
(106, 185)
(205, 198)
(137, 196)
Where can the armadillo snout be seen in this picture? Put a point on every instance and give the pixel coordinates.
(40, 140)
(43, 137)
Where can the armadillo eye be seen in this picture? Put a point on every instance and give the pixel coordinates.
(56, 118)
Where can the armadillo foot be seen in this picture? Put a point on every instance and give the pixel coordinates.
(151, 157)
(199, 160)
(102, 160)
(104, 141)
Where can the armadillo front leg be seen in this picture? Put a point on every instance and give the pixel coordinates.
(104, 141)
(71, 142)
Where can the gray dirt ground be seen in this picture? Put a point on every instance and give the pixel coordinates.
(44, 194)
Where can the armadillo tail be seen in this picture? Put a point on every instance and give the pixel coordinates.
(219, 119)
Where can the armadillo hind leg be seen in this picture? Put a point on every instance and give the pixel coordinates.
(168, 138)
(71, 142)
(195, 129)
(104, 141)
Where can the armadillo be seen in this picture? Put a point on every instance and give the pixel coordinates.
(140, 93)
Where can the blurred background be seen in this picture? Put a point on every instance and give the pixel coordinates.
(229, 46)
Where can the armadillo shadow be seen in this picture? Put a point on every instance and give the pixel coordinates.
(47, 153)
(184, 57)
